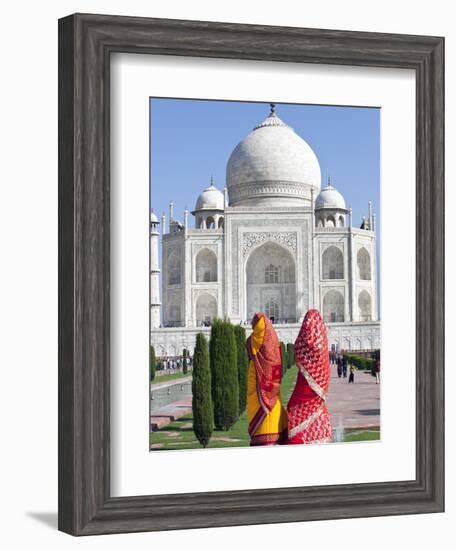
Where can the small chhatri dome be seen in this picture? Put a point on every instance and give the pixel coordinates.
(153, 218)
(210, 199)
(329, 197)
(272, 165)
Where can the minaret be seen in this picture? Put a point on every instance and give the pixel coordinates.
(155, 304)
(371, 222)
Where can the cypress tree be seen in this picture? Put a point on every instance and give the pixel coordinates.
(243, 365)
(283, 353)
(203, 423)
(290, 355)
(184, 361)
(152, 363)
(225, 386)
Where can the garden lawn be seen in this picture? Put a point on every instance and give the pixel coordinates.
(168, 377)
(179, 434)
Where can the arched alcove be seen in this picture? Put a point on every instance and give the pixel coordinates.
(333, 307)
(271, 309)
(206, 266)
(206, 309)
(174, 311)
(364, 306)
(364, 265)
(210, 222)
(332, 263)
(174, 268)
(341, 221)
(270, 275)
(221, 222)
(330, 221)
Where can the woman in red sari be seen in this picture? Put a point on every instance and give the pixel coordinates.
(308, 417)
(266, 415)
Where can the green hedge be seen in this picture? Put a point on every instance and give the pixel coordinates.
(361, 363)
(243, 365)
(185, 355)
(290, 355)
(284, 356)
(152, 363)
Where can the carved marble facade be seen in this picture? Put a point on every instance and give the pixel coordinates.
(273, 242)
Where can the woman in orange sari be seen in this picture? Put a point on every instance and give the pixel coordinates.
(308, 417)
(266, 415)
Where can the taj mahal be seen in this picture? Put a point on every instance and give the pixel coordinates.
(274, 240)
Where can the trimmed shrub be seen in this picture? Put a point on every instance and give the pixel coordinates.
(360, 362)
(290, 355)
(203, 421)
(283, 354)
(152, 363)
(224, 371)
(184, 361)
(243, 365)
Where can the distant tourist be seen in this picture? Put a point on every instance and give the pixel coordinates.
(351, 378)
(339, 366)
(377, 367)
(344, 366)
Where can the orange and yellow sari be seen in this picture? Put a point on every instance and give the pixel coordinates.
(267, 418)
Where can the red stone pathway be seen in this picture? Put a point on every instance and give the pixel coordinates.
(162, 417)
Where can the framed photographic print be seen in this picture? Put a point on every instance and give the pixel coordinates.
(251, 274)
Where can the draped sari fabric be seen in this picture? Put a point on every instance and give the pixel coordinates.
(308, 417)
(266, 415)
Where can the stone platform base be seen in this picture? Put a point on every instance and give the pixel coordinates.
(169, 342)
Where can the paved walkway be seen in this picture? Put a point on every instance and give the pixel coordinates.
(181, 380)
(162, 417)
(354, 405)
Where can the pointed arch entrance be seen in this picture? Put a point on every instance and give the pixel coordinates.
(270, 275)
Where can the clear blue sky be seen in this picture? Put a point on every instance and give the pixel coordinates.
(193, 139)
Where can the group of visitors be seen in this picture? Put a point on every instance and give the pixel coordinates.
(306, 418)
(342, 364)
(206, 323)
(176, 363)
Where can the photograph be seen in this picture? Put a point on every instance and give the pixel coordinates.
(264, 274)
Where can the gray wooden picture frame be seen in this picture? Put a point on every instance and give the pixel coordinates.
(85, 45)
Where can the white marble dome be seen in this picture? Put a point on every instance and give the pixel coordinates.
(329, 197)
(153, 218)
(272, 165)
(210, 199)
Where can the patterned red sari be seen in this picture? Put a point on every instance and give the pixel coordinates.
(308, 417)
